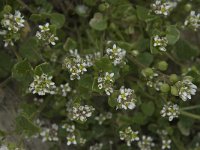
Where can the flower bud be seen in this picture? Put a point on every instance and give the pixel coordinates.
(188, 7)
(7, 9)
(173, 78)
(174, 91)
(164, 88)
(103, 7)
(162, 65)
(147, 72)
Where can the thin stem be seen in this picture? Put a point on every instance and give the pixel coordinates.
(191, 115)
(16, 53)
(25, 6)
(5, 81)
(174, 60)
(190, 107)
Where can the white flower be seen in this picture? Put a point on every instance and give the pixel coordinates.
(71, 139)
(12, 25)
(97, 146)
(163, 8)
(50, 134)
(126, 99)
(166, 144)
(69, 128)
(129, 135)
(81, 113)
(102, 117)
(116, 54)
(45, 35)
(75, 65)
(106, 82)
(170, 110)
(186, 89)
(146, 143)
(193, 20)
(64, 89)
(42, 85)
(160, 42)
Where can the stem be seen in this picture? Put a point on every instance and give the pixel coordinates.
(174, 60)
(25, 6)
(16, 54)
(190, 107)
(191, 115)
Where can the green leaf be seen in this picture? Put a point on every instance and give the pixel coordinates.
(103, 64)
(144, 15)
(6, 64)
(185, 125)
(139, 118)
(43, 68)
(23, 124)
(112, 101)
(39, 17)
(185, 51)
(30, 52)
(98, 22)
(22, 71)
(145, 58)
(57, 19)
(173, 34)
(148, 108)
(69, 44)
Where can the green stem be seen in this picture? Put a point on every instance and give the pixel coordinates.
(25, 6)
(190, 107)
(173, 59)
(191, 115)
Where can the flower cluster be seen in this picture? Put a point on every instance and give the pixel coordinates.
(146, 143)
(126, 99)
(64, 89)
(185, 89)
(81, 113)
(170, 110)
(50, 134)
(193, 21)
(75, 65)
(162, 7)
(12, 25)
(45, 34)
(102, 117)
(42, 85)
(160, 43)
(116, 54)
(129, 136)
(106, 82)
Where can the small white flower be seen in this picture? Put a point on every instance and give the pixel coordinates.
(42, 85)
(129, 135)
(116, 54)
(146, 143)
(170, 110)
(106, 82)
(50, 134)
(45, 35)
(193, 20)
(166, 144)
(126, 99)
(186, 89)
(102, 117)
(97, 146)
(163, 8)
(81, 113)
(71, 139)
(160, 43)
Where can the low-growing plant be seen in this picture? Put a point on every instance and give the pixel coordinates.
(102, 74)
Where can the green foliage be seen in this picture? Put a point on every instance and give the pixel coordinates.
(89, 69)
